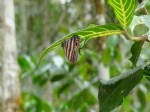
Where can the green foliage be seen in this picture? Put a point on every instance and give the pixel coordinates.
(142, 98)
(88, 33)
(113, 91)
(73, 88)
(147, 69)
(33, 103)
(61, 81)
(121, 85)
(124, 10)
(106, 57)
(57, 77)
(136, 50)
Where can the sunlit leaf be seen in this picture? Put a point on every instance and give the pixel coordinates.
(88, 33)
(26, 62)
(124, 10)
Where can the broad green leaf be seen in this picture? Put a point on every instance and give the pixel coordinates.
(26, 62)
(88, 33)
(124, 10)
(145, 19)
(141, 5)
(136, 50)
(113, 91)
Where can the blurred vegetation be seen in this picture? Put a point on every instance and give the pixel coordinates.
(57, 85)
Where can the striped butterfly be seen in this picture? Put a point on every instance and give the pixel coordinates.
(71, 48)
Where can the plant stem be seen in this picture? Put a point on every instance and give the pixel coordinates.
(143, 38)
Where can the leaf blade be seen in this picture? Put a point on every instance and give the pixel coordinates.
(119, 86)
(124, 10)
(87, 33)
(136, 50)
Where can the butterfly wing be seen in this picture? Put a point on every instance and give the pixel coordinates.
(71, 48)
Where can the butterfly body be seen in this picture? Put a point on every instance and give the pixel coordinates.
(71, 48)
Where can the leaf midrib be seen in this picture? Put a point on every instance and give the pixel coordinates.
(122, 7)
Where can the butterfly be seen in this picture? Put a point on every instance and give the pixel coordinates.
(71, 48)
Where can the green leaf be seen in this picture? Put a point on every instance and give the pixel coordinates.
(25, 62)
(40, 79)
(146, 68)
(124, 10)
(88, 33)
(79, 98)
(112, 92)
(57, 77)
(147, 71)
(31, 103)
(63, 87)
(135, 50)
(118, 55)
(141, 97)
